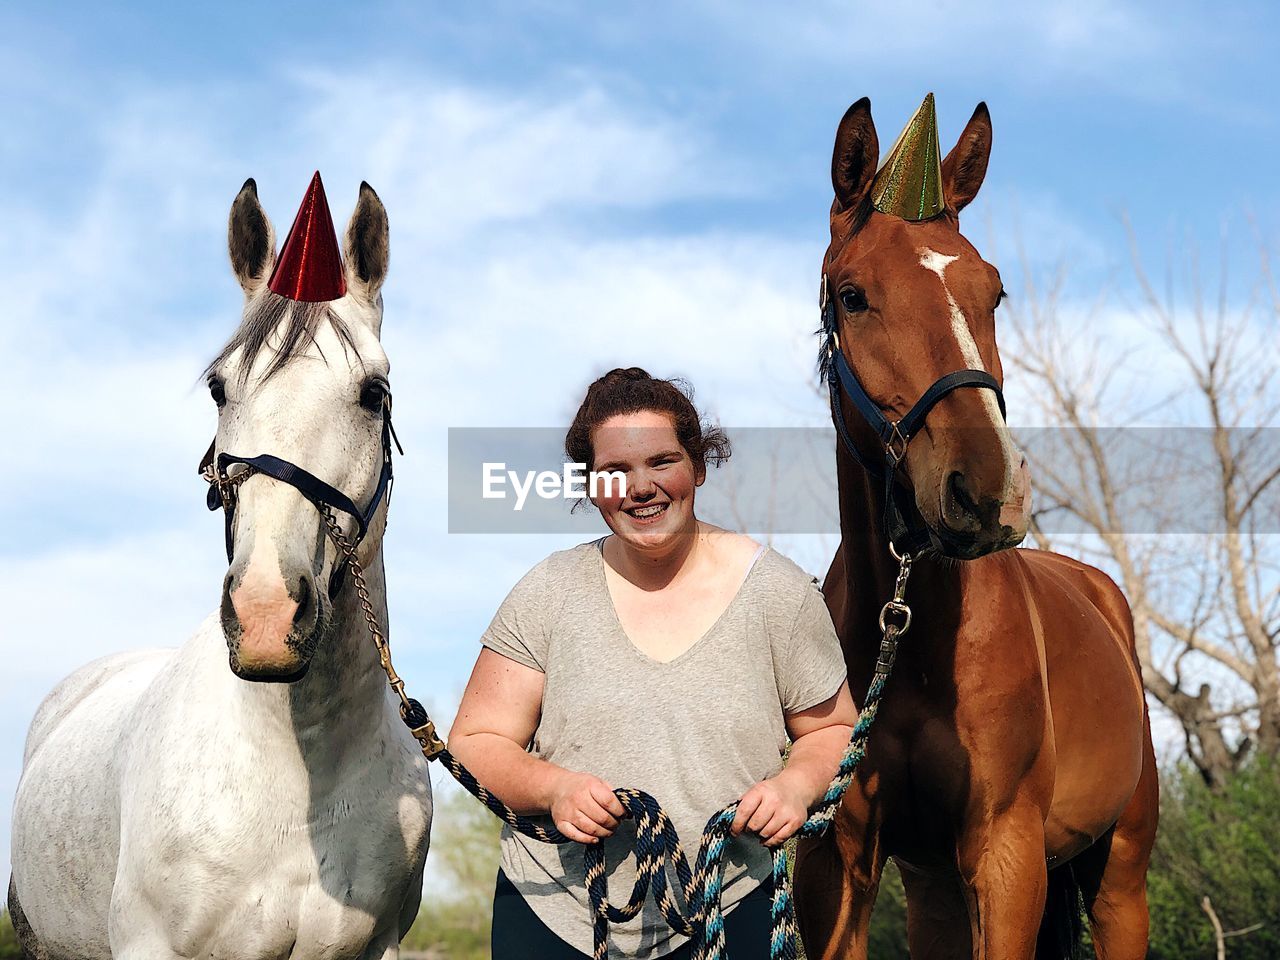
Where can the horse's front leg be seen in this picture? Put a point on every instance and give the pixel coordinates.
(384, 947)
(1002, 863)
(836, 880)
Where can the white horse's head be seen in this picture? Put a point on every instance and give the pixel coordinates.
(305, 382)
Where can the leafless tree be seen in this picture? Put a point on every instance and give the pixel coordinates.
(1163, 463)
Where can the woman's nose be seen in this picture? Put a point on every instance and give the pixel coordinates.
(640, 485)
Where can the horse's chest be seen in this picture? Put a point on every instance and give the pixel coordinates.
(276, 863)
(312, 888)
(275, 919)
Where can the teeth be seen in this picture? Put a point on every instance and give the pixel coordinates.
(648, 511)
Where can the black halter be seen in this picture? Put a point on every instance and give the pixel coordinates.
(893, 434)
(222, 490)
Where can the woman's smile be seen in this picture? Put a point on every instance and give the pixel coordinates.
(647, 513)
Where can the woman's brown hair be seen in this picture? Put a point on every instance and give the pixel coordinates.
(632, 390)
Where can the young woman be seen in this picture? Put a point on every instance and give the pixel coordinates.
(672, 656)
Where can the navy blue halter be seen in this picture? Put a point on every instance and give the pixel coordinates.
(905, 535)
(222, 492)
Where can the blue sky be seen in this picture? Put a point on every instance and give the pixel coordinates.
(568, 191)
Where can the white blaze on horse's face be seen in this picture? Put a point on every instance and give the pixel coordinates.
(318, 404)
(937, 263)
(1014, 495)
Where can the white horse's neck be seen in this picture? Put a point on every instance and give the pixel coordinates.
(342, 699)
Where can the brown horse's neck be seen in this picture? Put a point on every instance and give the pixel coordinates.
(870, 569)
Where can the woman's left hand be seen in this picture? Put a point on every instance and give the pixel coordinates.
(774, 809)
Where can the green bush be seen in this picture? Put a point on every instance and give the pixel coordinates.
(1225, 846)
(887, 939)
(9, 949)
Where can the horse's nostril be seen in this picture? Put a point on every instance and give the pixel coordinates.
(304, 600)
(959, 495)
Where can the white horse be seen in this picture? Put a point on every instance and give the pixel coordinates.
(172, 805)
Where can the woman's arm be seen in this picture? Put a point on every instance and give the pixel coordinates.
(496, 720)
(776, 808)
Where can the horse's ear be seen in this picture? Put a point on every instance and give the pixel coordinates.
(857, 151)
(250, 239)
(367, 245)
(966, 165)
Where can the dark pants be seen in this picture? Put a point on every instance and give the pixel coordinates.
(518, 934)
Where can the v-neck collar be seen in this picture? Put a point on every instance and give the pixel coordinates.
(603, 581)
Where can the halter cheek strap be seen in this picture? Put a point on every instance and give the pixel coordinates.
(894, 435)
(222, 490)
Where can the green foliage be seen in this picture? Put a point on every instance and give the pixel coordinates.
(887, 939)
(9, 949)
(454, 923)
(1224, 845)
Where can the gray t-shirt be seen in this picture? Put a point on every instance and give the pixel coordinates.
(695, 732)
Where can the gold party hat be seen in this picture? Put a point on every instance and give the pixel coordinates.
(909, 181)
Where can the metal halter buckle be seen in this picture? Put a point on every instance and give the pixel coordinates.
(896, 446)
(897, 608)
(432, 745)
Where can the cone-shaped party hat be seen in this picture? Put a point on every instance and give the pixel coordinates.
(309, 267)
(909, 181)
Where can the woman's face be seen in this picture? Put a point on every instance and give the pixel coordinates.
(660, 479)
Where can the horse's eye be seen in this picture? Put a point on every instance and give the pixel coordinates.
(853, 300)
(1002, 298)
(218, 391)
(373, 395)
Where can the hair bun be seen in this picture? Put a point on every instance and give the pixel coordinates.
(623, 375)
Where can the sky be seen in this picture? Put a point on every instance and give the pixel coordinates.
(569, 189)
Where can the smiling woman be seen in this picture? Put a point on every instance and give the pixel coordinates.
(673, 657)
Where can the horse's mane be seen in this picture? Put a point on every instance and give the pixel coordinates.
(264, 315)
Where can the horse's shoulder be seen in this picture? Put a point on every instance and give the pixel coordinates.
(1055, 576)
(86, 682)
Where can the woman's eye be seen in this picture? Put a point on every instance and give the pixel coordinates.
(218, 391)
(373, 396)
(853, 300)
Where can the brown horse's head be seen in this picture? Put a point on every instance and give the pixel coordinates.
(914, 301)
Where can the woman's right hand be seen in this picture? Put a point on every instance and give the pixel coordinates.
(584, 807)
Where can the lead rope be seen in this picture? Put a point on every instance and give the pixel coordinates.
(657, 844)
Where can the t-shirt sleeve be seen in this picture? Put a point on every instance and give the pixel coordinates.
(812, 668)
(519, 628)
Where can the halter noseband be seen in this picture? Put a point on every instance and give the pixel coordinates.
(223, 487)
(895, 435)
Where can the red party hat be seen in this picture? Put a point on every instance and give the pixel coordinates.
(309, 267)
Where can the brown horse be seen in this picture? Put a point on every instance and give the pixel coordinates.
(1010, 770)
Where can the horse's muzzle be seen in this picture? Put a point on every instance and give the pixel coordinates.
(272, 626)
